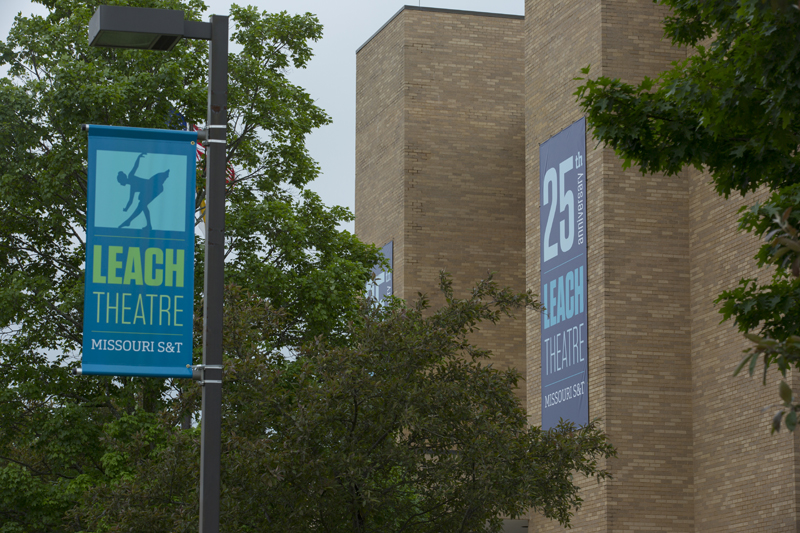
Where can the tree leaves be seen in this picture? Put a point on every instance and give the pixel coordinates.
(730, 107)
(282, 242)
(407, 428)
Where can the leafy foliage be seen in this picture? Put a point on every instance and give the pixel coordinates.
(408, 428)
(58, 432)
(774, 309)
(729, 108)
(732, 108)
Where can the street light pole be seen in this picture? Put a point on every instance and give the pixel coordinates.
(161, 29)
(216, 166)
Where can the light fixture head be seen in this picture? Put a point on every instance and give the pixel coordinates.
(136, 27)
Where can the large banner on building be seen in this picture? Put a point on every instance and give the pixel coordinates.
(381, 284)
(562, 188)
(138, 300)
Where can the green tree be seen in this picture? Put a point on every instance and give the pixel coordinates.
(407, 428)
(732, 108)
(58, 432)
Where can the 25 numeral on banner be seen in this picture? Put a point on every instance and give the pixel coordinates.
(554, 181)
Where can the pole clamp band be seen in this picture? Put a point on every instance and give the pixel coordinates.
(199, 373)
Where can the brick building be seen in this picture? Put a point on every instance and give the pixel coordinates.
(452, 108)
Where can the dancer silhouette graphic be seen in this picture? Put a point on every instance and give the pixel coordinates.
(148, 190)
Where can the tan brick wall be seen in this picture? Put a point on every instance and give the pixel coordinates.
(380, 109)
(458, 169)
(465, 160)
(638, 279)
(745, 478)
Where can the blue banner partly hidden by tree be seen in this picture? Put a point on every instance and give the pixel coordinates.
(138, 302)
(381, 285)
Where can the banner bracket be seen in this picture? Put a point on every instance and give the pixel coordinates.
(199, 373)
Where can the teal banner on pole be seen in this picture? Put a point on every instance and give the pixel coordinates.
(138, 300)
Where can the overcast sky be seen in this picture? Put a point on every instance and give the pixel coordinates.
(331, 76)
